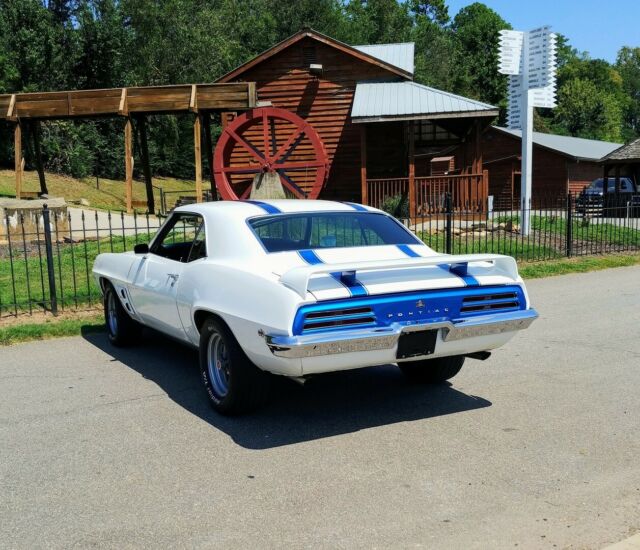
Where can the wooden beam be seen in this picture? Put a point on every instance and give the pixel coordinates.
(208, 145)
(128, 164)
(114, 102)
(18, 158)
(12, 107)
(413, 211)
(253, 96)
(193, 100)
(35, 130)
(197, 148)
(122, 106)
(146, 166)
(363, 165)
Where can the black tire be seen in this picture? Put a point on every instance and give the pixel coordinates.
(233, 383)
(122, 330)
(432, 371)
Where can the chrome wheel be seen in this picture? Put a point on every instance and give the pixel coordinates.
(112, 313)
(218, 364)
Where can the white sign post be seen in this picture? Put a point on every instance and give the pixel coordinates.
(529, 58)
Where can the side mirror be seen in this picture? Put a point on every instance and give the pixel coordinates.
(141, 248)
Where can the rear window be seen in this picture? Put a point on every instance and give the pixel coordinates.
(625, 184)
(284, 232)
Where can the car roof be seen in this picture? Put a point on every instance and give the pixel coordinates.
(251, 208)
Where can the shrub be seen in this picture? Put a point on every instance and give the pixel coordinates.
(397, 206)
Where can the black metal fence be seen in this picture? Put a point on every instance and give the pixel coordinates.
(558, 227)
(46, 256)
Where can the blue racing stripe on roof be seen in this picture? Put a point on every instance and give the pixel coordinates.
(357, 207)
(408, 251)
(310, 257)
(268, 208)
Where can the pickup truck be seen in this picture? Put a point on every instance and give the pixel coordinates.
(591, 200)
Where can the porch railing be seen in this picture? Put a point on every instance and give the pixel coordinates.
(468, 193)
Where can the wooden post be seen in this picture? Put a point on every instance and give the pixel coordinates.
(477, 150)
(364, 190)
(413, 211)
(128, 165)
(208, 145)
(146, 167)
(18, 158)
(35, 130)
(197, 148)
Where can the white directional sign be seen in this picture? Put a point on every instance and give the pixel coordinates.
(541, 58)
(536, 72)
(511, 43)
(529, 58)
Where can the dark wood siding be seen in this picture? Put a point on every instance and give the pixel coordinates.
(325, 102)
(582, 174)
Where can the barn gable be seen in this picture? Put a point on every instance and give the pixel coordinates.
(383, 56)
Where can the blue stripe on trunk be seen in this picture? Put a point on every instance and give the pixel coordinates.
(354, 286)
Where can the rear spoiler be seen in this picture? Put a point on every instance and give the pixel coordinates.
(297, 278)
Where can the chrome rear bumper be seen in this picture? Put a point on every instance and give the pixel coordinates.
(329, 343)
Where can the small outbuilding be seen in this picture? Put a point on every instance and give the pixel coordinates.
(561, 164)
(624, 161)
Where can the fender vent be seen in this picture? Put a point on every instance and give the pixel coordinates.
(332, 318)
(490, 302)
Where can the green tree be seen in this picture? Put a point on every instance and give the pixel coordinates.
(434, 45)
(377, 21)
(325, 16)
(628, 66)
(585, 110)
(476, 37)
(104, 39)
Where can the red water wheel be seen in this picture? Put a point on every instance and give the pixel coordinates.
(269, 139)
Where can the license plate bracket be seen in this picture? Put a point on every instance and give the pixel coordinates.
(415, 344)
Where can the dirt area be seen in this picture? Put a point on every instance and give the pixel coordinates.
(46, 316)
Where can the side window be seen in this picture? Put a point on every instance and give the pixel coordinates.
(177, 239)
(199, 246)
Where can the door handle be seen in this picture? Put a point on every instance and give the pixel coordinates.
(173, 277)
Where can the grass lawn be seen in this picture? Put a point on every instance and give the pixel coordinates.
(109, 196)
(536, 270)
(626, 233)
(50, 328)
(75, 284)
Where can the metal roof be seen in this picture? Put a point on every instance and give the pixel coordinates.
(399, 55)
(579, 148)
(629, 152)
(378, 101)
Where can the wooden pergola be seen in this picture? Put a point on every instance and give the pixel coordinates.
(129, 104)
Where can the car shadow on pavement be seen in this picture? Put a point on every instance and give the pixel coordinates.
(327, 405)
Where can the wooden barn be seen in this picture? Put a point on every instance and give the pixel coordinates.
(360, 130)
(561, 164)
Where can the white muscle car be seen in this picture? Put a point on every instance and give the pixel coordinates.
(295, 288)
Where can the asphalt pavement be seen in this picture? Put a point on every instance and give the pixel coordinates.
(538, 447)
